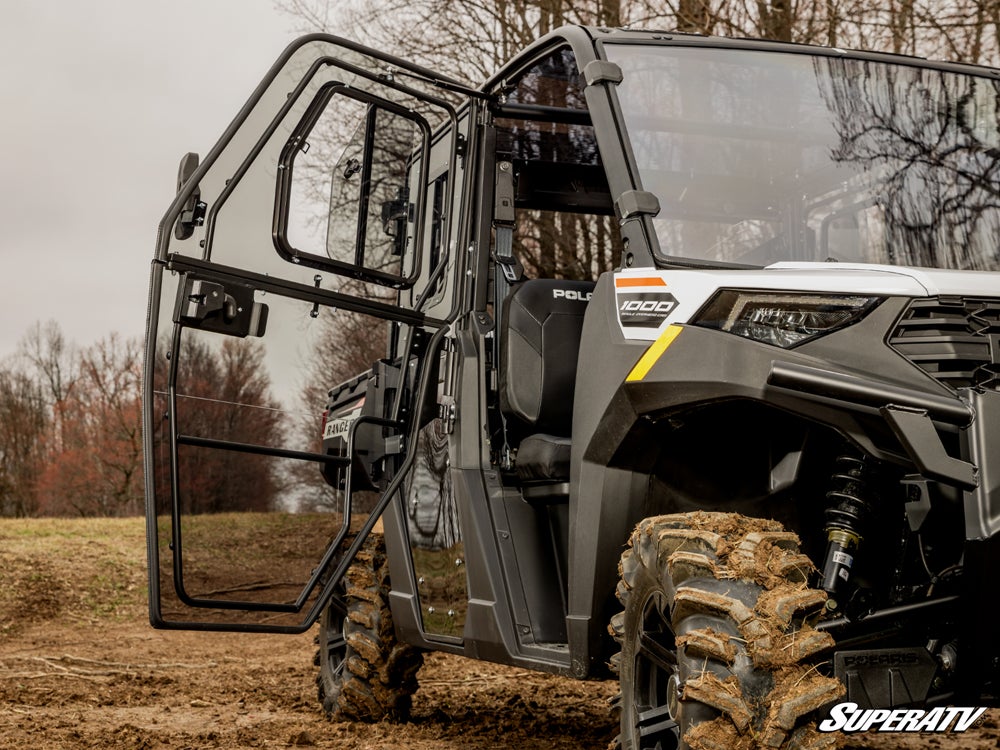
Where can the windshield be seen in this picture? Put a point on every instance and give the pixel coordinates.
(759, 157)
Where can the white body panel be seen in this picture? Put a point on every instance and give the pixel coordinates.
(692, 288)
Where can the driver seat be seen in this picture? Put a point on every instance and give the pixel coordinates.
(541, 327)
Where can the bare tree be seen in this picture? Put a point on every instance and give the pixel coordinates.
(34, 386)
(45, 348)
(492, 31)
(96, 468)
(70, 427)
(24, 428)
(51, 362)
(222, 394)
(469, 38)
(950, 219)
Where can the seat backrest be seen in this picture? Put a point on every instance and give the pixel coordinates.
(541, 323)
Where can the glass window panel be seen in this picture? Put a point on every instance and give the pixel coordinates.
(758, 157)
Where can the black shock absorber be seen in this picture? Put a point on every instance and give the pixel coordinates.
(847, 517)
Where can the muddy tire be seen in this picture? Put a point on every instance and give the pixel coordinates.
(716, 647)
(365, 674)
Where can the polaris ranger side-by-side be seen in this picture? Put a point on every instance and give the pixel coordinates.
(668, 358)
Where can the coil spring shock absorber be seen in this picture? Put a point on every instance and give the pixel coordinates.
(846, 521)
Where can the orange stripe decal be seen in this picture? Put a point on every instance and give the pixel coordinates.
(625, 281)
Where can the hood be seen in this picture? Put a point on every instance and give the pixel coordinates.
(934, 281)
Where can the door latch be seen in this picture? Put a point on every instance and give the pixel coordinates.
(211, 306)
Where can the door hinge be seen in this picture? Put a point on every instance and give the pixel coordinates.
(447, 413)
(394, 445)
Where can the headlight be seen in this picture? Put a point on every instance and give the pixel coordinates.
(781, 319)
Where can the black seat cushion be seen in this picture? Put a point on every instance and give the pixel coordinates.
(543, 458)
(540, 342)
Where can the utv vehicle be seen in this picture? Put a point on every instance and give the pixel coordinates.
(686, 370)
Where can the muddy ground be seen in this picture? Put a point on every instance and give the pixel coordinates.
(81, 668)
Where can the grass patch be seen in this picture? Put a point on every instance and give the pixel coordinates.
(86, 568)
(94, 569)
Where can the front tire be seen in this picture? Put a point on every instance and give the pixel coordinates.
(715, 640)
(365, 673)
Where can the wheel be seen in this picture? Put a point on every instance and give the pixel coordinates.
(365, 674)
(715, 639)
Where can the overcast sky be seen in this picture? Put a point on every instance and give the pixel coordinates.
(98, 102)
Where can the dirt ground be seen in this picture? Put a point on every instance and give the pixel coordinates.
(81, 668)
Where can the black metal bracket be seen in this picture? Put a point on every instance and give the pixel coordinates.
(314, 313)
(634, 203)
(920, 439)
(865, 394)
(191, 217)
(503, 204)
(211, 306)
(503, 222)
(193, 213)
(979, 444)
(602, 71)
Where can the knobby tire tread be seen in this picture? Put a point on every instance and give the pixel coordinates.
(379, 674)
(740, 611)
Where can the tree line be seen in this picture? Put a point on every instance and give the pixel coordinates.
(472, 38)
(71, 426)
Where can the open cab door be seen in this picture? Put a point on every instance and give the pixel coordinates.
(299, 254)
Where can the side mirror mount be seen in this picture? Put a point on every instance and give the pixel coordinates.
(193, 213)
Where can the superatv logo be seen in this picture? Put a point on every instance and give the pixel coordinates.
(847, 717)
(645, 309)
